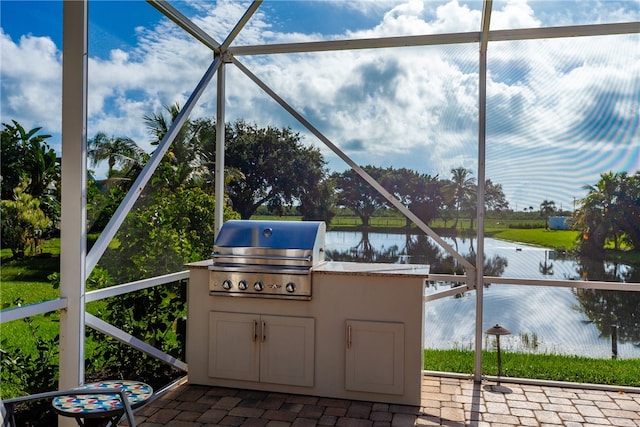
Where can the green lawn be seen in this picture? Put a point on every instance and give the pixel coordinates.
(622, 372)
(556, 239)
(22, 282)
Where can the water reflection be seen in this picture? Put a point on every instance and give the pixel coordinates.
(416, 249)
(590, 323)
(546, 269)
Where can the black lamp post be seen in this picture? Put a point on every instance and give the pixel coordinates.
(498, 330)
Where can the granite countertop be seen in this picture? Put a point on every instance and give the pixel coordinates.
(205, 263)
(351, 268)
(358, 268)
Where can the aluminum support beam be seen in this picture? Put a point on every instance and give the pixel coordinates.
(482, 128)
(368, 178)
(445, 293)
(577, 284)
(561, 32)
(374, 43)
(240, 25)
(185, 23)
(220, 152)
(440, 39)
(73, 241)
(138, 285)
(17, 313)
(220, 117)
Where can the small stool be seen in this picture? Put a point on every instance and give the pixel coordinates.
(104, 401)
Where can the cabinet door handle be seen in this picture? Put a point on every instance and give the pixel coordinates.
(255, 330)
(348, 336)
(264, 331)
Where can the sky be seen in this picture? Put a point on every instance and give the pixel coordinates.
(560, 112)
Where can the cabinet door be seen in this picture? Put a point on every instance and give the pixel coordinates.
(375, 357)
(287, 350)
(234, 345)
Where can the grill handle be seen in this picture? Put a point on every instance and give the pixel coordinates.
(306, 258)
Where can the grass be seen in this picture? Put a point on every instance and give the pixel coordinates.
(22, 282)
(556, 239)
(622, 372)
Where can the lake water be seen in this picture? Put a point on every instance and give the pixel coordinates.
(541, 319)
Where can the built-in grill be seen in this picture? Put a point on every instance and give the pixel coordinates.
(266, 259)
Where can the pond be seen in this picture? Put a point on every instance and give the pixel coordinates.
(542, 319)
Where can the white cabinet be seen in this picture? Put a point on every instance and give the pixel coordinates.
(375, 357)
(262, 348)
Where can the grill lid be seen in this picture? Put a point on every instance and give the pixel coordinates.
(270, 234)
(292, 243)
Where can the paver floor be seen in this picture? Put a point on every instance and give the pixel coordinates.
(445, 401)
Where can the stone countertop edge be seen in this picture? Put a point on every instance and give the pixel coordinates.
(351, 268)
(205, 263)
(369, 269)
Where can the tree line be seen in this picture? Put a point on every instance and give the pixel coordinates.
(272, 168)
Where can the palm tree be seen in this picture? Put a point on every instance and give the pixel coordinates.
(185, 161)
(117, 151)
(547, 207)
(460, 188)
(599, 213)
(26, 155)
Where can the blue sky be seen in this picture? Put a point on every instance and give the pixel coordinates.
(560, 112)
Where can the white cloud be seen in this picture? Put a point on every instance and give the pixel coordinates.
(31, 82)
(514, 14)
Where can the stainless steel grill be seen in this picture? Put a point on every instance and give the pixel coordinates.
(266, 259)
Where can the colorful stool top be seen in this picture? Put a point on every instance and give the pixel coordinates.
(99, 405)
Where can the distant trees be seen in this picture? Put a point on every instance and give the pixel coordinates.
(610, 212)
(353, 192)
(276, 168)
(494, 198)
(263, 167)
(317, 202)
(547, 208)
(426, 196)
(421, 193)
(628, 218)
(272, 167)
(460, 189)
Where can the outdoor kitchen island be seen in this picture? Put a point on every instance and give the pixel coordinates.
(359, 335)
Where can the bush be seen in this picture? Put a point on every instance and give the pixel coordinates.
(32, 373)
(22, 222)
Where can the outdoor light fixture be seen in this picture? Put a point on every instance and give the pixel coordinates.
(498, 330)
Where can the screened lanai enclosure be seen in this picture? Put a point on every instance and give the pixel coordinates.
(536, 99)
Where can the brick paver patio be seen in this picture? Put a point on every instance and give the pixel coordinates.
(445, 401)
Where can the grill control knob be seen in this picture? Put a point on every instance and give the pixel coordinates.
(242, 285)
(291, 287)
(258, 286)
(226, 285)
